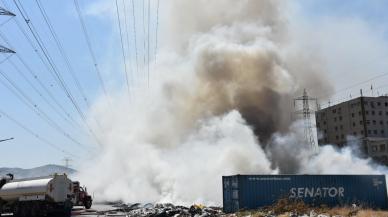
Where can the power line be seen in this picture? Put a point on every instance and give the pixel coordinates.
(157, 28)
(34, 107)
(42, 139)
(62, 52)
(40, 94)
(144, 41)
(122, 49)
(90, 48)
(48, 69)
(128, 42)
(57, 76)
(135, 35)
(357, 84)
(47, 91)
(65, 57)
(148, 44)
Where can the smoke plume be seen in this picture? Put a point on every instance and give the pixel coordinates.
(219, 103)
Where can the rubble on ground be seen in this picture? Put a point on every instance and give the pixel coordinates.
(164, 210)
(280, 209)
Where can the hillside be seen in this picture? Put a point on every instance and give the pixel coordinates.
(37, 171)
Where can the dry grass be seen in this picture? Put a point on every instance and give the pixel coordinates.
(284, 207)
(372, 213)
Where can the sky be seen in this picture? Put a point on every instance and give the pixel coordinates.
(350, 37)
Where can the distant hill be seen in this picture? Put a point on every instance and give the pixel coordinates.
(37, 171)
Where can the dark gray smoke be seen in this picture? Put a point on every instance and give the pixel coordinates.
(241, 60)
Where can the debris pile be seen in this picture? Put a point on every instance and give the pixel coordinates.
(167, 209)
(283, 208)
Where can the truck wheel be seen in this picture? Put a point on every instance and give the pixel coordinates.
(88, 204)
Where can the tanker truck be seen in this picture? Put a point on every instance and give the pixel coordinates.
(44, 196)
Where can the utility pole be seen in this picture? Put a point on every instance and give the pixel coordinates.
(306, 113)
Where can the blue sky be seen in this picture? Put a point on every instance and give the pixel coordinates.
(364, 19)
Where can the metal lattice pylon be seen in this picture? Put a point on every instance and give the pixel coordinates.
(6, 12)
(306, 113)
(5, 50)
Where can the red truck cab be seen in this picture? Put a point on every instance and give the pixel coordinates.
(81, 196)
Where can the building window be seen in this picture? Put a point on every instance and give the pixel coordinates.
(362, 122)
(386, 113)
(334, 111)
(354, 124)
(373, 112)
(386, 104)
(359, 113)
(341, 127)
(368, 122)
(337, 137)
(354, 133)
(318, 125)
(362, 132)
(340, 118)
(369, 132)
(375, 132)
(382, 132)
(336, 128)
(379, 103)
(382, 147)
(380, 113)
(324, 123)
(381, 122)
(335, 119)
(352, 115)
(372, 104)
(374, 122)
(367, 112)
(325, 131)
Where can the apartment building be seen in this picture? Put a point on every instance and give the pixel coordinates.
(364, 119)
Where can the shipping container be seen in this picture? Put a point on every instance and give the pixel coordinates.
(246, 192)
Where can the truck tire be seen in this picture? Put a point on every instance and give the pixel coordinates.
(88, 204)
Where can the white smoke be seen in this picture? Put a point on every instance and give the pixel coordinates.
(218, 104)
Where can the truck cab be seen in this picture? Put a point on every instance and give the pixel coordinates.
(81, 196)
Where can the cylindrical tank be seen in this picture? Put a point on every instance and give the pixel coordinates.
(56, 188)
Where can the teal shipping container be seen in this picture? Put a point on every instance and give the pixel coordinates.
(247, 192)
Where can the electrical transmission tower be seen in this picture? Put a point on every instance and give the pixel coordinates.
(306, 113)
(6, 13)
(67, 162)
(5, 50)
